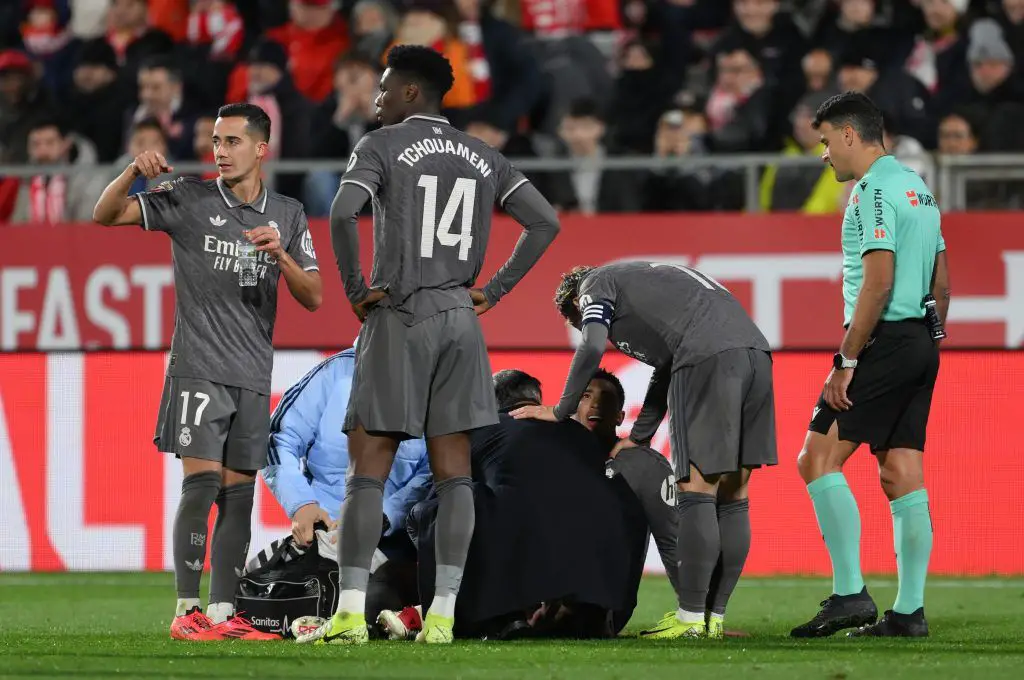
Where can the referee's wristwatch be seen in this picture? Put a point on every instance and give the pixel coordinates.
(839, 362)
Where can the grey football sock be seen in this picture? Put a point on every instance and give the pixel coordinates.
(362, 520)
(230, 543)
(734, 529)
(456, 519)
(699, 546)
(188, 536)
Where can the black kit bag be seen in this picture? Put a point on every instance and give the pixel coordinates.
(285, 581)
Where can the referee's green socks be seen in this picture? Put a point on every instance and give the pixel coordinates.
(912, 534)
(839, 521)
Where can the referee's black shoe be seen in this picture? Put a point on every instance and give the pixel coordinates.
(894, 624)
(839, 612)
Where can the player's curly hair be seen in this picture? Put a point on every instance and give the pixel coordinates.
(569, 290)
(430, 69)
(613, 380)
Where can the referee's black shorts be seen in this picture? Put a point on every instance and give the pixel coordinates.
(891, 390)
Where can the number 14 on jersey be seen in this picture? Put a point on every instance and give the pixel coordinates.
(463, 196)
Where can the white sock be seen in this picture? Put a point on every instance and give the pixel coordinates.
(352, 601)
(443, 605)
(186, 603)
(219, 612)
(716, 617)
(689, 617)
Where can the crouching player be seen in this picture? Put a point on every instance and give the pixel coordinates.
(306, 467)
(713, 371)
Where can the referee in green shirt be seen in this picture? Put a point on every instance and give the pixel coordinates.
(896, 293)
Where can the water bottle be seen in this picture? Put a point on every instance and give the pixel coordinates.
(246, 263)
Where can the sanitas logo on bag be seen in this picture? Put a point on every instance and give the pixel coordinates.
(267, 622)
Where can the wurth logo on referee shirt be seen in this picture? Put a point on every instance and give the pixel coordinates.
(917, 199)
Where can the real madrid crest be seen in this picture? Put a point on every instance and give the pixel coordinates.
(185, 438)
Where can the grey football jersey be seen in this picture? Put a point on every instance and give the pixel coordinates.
(223, 332)
(434, 189)
(666, 314)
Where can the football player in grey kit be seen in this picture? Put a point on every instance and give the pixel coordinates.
(713, 372)
(231, 240)
(422, 366)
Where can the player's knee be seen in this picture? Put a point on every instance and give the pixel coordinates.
(812, 464)
(900, 472)
(733, 487)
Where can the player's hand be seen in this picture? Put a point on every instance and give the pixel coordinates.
(623, 444)
(835, 389)
(267, 239)
(303, 521)
(151, 164)
(362, 309)
(545, 413)
(480, 303)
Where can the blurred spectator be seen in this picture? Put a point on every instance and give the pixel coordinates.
(939, 56)
(98, 100)
(514, 145)
(129, 33)
(339, 122)
(772, 39)
(170, 16)
(271, 88)
(959, 134)
(506, 78)
(1010, 16)
(214, 37)
(64, 197)
(860, 23)
(49, 41)
(679, 135)
(896, 93)
(216, 25)
(202, 144)
(810, 189)
(21, 101)
(314, 39)
(589, 189)
(560, 18)
(373, 27)
(818, 76)
(88, 18)
(908, 151)
(161, 96)
(739, 108)
(146, 135)
(434, 23)
(642, 92)
(996, 91)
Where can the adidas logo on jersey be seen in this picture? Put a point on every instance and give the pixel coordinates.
(218, 221)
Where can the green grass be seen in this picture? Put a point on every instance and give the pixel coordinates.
(115, 625)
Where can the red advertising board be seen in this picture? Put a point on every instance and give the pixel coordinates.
(81, 286)
(82, 487)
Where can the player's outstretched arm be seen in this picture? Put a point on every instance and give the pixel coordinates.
(585, 363)
(345, 209)
(654, 408)
(540, 222)
(115, 208)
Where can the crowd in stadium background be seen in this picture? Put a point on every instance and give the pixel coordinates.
(94, 82)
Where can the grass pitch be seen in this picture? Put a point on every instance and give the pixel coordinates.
(115, 625)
